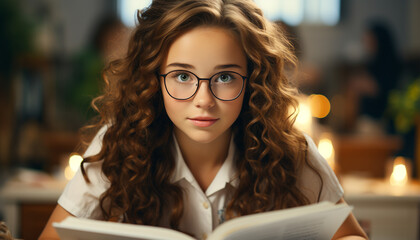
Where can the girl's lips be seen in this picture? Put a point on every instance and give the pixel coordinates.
(203, 122)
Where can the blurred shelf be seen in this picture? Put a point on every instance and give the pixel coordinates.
(28, 200)
(384, 211)
(365, 154)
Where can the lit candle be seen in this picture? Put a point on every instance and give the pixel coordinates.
(399, 175)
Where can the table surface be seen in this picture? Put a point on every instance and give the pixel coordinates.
(32, 186)
(359, 188)
(40, 187)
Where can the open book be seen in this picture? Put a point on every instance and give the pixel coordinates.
(316, 221)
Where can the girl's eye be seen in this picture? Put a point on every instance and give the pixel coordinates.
(183, 77)
(224, 78)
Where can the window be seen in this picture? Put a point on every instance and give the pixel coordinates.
(292, 12)
(127, 10)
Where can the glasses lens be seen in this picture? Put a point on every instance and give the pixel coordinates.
(227, 85)
(181, 84)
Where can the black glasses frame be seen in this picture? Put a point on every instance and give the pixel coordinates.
(203, 79)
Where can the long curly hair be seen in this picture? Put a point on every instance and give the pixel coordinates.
(134, 151)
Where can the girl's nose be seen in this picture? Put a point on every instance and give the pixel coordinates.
(203, 97)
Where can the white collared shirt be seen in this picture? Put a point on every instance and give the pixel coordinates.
(203, 211)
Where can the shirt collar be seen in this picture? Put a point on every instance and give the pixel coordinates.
(226, 174)
(181, 169)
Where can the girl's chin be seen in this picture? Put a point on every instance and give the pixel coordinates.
(200, 137)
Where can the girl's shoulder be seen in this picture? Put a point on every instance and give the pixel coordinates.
(95, 145)
(81, 198)
(94, 169)
(316, 177)
(313, 156)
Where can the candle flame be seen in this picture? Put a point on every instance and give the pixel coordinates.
(399, 176)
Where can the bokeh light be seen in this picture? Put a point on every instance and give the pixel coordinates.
(399, 175)
(326, 148)
(320, 105)
(73, 165)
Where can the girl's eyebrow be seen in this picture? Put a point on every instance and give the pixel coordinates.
(224, 66)
(181, 65)
(189, 66)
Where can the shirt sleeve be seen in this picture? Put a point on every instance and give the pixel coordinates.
(311, 184)
(81, 198)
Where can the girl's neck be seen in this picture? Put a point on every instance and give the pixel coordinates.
(204, 159)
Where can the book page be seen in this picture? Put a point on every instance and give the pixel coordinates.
(313, 222)
(85, 229)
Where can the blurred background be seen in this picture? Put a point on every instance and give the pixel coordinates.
(359, 78)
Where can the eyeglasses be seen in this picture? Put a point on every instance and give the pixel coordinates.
(225, 86)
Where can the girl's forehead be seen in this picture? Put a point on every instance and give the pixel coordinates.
(206, 47)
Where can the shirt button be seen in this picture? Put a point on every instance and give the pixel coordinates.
(204, 236)
(206, 205)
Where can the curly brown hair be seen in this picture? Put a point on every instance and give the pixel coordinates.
(135, 154)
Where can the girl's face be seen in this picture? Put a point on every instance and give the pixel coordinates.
(204, 52)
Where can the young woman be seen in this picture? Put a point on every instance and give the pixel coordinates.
(196, 126)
